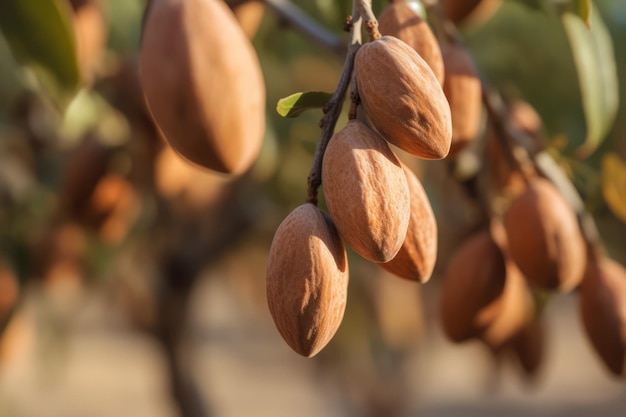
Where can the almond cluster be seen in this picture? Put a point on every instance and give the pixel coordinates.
(495, 285)
(376, 205)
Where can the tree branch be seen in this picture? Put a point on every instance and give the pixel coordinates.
(332, 109)
(300, 21)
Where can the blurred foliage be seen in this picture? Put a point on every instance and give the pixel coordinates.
(40, 32)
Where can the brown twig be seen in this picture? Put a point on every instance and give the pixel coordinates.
(300, 21)
(333, 109)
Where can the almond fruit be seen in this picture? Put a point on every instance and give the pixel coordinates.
(470, 11)
(403, 98)
(473, 279)
(401, 21)
(366, 192)
(603, 310)
(544, 238)
(307, 279)
(9, 290)
(463, 90)
(483, 294)
(249, 14)
(203, 83)
(503, 319)
(418, 254)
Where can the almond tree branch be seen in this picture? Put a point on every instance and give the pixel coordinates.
(332, 109)
(300, 21)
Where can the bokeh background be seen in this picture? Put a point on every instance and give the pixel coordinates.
(133, 284)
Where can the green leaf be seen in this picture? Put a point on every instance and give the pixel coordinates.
(40, 32)
(583, 9)
(295, 104)
(597, 76)
(614, 184)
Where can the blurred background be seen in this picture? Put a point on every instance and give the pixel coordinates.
(133, 284)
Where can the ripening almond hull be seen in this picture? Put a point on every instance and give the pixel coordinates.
(249, 15)
(505, 318)
(307, 280)
(603, 310)
(463, 90)
(403, 98)
(402, 22)
(203, 83)
(545, 239)
(417, 256)
(473, 280)
(366, 192)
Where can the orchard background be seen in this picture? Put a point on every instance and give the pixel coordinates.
(143, 294)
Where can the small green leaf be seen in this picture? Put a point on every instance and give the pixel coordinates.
(40, 32)
(295, 104)
(597, 76)
(614, 184)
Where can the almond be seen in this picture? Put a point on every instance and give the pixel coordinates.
(249, 14)
(483, 294)
(473, 279)
(603, 310)
(401, 21)
(418, 254)
(544, 238)
(366, 192)
(463, 90)
(403, 98)
(307, 279)
(203, 83)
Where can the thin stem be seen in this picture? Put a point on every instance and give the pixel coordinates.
(300, 21)
(332, 109)
(364, 9)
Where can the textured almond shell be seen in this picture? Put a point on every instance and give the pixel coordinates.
(366, 192)
(603, 310)
(463, 90)
(545, 239)
(203, 83)
(473, 279)
(505, 318)
(418, 254)
(307, 280)
(400, 21)
(403, 98)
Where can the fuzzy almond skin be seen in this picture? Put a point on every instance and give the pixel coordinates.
(366, 192)
(603, 310)
(417, 257)
(203, 83)
(463, 90)
(473, 279)
(403, 98)
(399, 20)
(307, 280)
(505, 318)
(545, 239)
